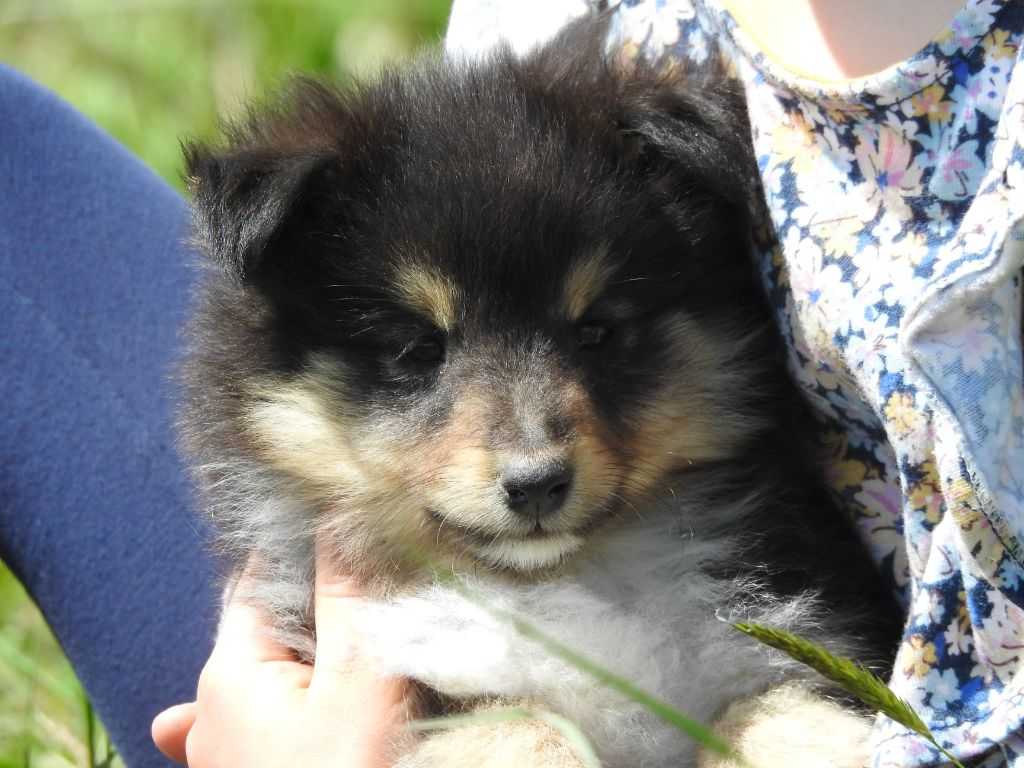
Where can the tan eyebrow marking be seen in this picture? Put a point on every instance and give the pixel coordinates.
(430, 293)
(586, 279)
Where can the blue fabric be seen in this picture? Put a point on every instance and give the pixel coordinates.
(95, 512)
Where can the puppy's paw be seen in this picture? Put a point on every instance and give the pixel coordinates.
(792, 726)
(511, 744)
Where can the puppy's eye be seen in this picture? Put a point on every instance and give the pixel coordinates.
(427, 350)
(593, 335)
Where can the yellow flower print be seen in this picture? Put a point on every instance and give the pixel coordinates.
(997, 45)
(902, 416)
(918, 656)
(840, 110)
(926, 495)
(960, 494)
(794, 140)
(842, 237)
(929, 103)
(914, 246)
(626, 55)
(846, 474)
(962, 502)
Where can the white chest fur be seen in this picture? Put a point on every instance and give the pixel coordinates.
(643, 607)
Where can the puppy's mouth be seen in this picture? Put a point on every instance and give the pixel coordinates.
(536, 550)
(542, 547)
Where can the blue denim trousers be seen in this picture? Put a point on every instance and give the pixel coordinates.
(96, 514)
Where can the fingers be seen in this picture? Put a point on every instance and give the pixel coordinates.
(246, 653)
(170, 730)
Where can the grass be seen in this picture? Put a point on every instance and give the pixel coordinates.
(150, 72)
(45, 718)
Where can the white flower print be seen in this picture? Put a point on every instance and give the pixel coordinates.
(928, 605)
(958, 636)
(977, 237)
(824, 299)
(887, 230)
(943, 688)
(652, 22)
(840, 156)
(964, 109)
(905, 128)
(867, 350)
(697, 44)
(774, 179)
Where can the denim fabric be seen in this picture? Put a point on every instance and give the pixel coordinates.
(95, 515)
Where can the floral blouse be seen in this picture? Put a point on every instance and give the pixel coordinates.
(898, 205)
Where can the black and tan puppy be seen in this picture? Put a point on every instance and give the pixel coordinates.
(503, 316)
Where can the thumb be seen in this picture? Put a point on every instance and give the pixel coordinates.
(170, 730)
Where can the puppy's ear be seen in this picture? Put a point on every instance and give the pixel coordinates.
(686, 126)
(691, 131)
(246, 198)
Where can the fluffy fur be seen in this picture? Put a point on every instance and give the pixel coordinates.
(503, 316)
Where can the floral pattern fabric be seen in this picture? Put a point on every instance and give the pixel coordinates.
(895, 271)
(897, 202)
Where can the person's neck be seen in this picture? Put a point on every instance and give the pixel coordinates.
(839, 39)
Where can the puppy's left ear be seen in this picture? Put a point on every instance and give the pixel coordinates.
(246, 198)
(691, 131)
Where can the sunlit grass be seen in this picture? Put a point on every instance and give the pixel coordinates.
(45, 718)
(149, 71)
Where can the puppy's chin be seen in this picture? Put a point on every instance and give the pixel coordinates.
(528, 553)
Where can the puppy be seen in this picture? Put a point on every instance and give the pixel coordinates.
(504, 317)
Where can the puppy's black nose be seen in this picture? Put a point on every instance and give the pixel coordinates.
(535, 488)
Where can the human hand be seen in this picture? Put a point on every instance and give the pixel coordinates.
(258, 706)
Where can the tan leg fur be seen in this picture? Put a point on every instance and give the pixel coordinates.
(791, 727)
(513, 744)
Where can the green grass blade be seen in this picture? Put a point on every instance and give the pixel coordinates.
(90, 730)
(853, 677)
(572, 732)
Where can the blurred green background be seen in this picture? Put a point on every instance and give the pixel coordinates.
(150, 72)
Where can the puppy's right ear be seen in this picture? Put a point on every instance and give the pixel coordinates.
(247, 198)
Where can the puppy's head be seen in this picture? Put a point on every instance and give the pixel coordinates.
(478, 311)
